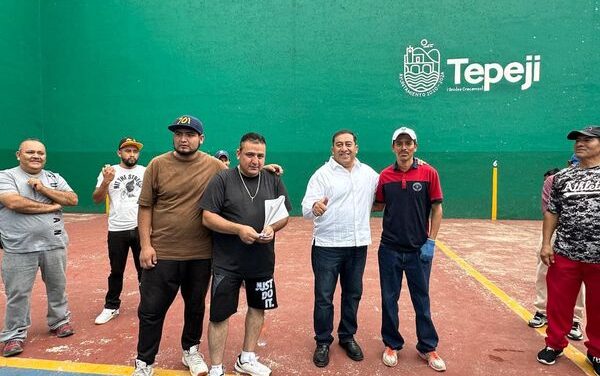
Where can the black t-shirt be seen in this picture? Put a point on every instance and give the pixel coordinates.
(226, 195)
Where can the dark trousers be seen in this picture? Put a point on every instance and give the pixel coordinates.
(119, 243)
(328, 263)
(158, 289)
(392, 265)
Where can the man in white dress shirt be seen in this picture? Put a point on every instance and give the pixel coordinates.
(338, 198)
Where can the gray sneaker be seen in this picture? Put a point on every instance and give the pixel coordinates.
(538, 320)
(142, 369)
(575, 333)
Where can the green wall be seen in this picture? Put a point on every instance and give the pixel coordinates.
(297, 71)
(20, 76)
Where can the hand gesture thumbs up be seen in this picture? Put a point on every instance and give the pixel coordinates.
(320, 207)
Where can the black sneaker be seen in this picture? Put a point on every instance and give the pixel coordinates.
(548, 355)
(538, 320)
(595, 361)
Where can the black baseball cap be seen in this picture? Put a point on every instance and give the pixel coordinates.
(591, 131)
(187, 122)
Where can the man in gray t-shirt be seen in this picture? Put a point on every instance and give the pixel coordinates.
(33, 235)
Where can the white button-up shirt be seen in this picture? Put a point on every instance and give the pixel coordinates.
(350, 195)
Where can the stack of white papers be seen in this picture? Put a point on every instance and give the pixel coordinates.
(275, 210)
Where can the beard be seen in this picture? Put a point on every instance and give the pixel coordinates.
(129, 162)
(186, 152)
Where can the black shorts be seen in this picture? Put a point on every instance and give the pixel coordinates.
(225, 294)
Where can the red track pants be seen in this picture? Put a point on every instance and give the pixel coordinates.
(564, 280)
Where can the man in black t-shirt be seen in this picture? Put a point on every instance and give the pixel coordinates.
(243, 250)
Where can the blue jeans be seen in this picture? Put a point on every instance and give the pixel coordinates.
(392, 264)
(328, 263)
(18, 273)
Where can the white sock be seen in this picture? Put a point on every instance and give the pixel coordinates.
(216, 369)
(247, 356)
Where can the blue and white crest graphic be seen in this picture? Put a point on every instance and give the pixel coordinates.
(422, 75)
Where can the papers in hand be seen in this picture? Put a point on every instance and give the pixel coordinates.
(275, 210)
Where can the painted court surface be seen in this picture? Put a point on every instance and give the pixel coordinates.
(482, 288)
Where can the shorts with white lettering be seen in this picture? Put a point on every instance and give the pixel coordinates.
(225, 293)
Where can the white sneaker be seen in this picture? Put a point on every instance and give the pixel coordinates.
(106, 315)
(433, 360)
(252, 368)
(194, 361)
(214, 372)
(390, 357)
(142, 369)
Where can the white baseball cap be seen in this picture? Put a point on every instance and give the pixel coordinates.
(404, 130)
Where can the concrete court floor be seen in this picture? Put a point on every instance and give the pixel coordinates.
(482, 288)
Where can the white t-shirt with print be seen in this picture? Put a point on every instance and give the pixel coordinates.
(123, 192)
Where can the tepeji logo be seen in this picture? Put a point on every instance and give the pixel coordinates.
(492, 73)
(422, 75)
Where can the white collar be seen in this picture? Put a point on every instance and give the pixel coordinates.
(334, 164)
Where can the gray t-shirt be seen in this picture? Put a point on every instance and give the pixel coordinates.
(25, 233)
